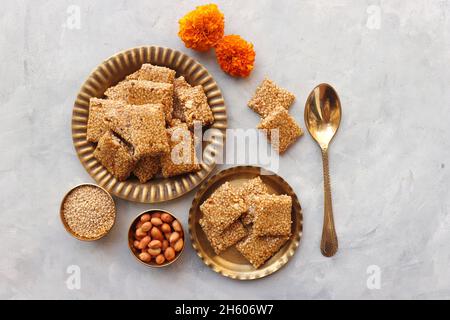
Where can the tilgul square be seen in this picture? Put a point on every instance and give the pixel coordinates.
(251, 188)
(191, 104)
(223, 207)
(141, 126)
(257, 250)
(268, 96)
(96, 126)
(181, 158)
(115, 156)
(272, 215)
(138, 92)
(281, 129)
(147, 168)
(153, 73)
(220, 241)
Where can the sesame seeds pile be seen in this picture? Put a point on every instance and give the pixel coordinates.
(89, 212)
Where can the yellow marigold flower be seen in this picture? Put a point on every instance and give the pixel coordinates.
(201, 28)
(235, 55)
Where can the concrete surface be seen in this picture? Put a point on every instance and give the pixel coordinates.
(389, 163)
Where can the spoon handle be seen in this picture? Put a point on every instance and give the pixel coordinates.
(329, 243)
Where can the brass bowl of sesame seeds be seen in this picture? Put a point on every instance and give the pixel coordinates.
(156, 238)
(88, 212)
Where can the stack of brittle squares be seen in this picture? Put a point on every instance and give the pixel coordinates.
(272, 103)
(248, 217)
(144, 125)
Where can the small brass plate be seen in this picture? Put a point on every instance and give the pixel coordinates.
(115, 69)
(231, 263)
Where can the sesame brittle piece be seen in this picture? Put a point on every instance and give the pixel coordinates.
(251, 188)
(141, 126)
(268, 96)
(223, 207)
(115, 155)
(281, 129)
(181, 159)
(220, 241)
(147, 168)
(191, 104)
(96, 126)
(258, 250)
(153, 73)
(272, 215)
(138, 92)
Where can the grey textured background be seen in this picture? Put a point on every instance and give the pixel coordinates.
(390, 160)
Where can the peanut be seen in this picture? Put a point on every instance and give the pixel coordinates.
(160, 259)
(156, 215)
(178, 246)
(166, 228)
(145, 257)
(144, 242)
(167, 218)
(156, 222)
(136, 244)
(155, 244)
(145, 217)
(169, 253)
(165, 244)
(154, 252)
(176, 226)
(156, 234)
(174, 237)
(140, 233)
(146, 226)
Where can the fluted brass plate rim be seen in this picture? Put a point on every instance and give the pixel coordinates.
(231, 263)
(115, 69)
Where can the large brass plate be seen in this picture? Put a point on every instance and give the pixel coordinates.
(115, 69)
(231, 263)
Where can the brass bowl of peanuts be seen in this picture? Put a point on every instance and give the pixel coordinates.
(156, 238)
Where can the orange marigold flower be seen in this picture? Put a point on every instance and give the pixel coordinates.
(235, 55)
(201, 28)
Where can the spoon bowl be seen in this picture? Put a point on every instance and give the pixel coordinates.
(322, 118)
(323, 114)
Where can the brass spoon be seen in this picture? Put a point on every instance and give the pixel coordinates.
(322, 118)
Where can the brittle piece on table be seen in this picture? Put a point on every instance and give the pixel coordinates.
(268, 96)
(281, 128)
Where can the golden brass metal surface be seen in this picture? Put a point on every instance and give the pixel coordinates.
(322, 118)
(115, 69)
(231, 263)
(64, 222)
(130, 239)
